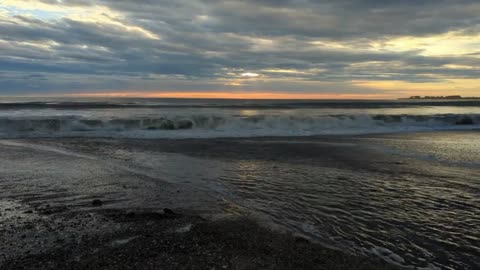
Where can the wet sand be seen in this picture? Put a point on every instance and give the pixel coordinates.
(66, 205)
(48, 220)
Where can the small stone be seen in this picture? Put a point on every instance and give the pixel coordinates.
(97, 202)
(301, 239)
(168, 211)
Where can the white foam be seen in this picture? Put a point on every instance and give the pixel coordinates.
(206, 124)
(184, 229)
(121, 242)
(388, 255)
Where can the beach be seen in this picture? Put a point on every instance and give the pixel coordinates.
(365, 201)
(70, 204)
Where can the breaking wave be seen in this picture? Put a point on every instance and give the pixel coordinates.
(208, 126)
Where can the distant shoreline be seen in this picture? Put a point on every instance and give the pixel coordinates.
(439, 98)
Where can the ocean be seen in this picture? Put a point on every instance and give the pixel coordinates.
(399, 180)
(184, 118)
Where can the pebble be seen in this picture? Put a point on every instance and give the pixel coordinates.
(168, 211)
(97, 202)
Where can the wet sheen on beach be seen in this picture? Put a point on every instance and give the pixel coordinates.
(410, 199)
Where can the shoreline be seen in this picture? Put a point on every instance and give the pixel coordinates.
(45, 238)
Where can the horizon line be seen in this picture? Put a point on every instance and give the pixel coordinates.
(226, 95)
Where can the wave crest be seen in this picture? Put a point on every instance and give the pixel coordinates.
(230, 126)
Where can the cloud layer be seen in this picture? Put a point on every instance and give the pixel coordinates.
(354, 47)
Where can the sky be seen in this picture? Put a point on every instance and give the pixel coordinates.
(240, 49)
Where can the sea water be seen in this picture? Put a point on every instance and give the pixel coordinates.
(184, 118)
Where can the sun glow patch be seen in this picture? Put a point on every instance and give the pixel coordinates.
(250, 74)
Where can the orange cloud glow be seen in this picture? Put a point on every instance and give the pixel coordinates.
(232, 95)
(463, 87)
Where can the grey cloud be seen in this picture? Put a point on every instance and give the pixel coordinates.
(201, 41)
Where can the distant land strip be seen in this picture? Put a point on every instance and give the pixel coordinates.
(440, 97)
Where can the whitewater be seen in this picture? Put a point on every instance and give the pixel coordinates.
(174, 118)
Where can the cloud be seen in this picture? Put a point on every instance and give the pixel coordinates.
(209, 45)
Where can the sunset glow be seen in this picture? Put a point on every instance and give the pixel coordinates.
(229, 95)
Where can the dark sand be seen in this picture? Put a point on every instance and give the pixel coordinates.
(48, 221)
(150, 240)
